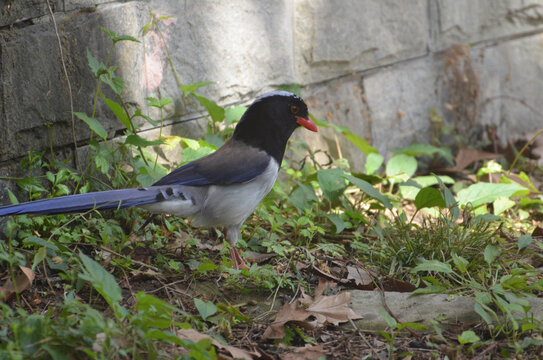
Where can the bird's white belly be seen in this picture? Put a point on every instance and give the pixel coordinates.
(227, 205)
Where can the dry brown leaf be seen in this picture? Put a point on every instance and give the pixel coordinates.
(326, 310)
(333, 309)
(23, 281)
(237, 353)
(323, 285)
(467, 156)
(360, 276)
(308, 352)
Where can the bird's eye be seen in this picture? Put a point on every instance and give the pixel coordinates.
(294, 109)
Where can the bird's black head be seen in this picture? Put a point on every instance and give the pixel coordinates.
(270, 120)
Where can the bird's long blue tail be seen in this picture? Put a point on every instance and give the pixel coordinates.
(102, 200)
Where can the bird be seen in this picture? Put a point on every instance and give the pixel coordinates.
(218, 190)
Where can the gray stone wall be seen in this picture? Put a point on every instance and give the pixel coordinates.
(379, 67)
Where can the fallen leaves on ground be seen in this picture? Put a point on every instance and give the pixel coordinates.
(308, 352)
(195, 336)
(467, 156)
(23, 281)
(322, 309)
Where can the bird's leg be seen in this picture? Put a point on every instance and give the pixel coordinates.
(232, 238)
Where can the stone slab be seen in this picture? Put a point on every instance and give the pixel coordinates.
(468, 21)
(458, 311)
(17, 11)
(338, 37)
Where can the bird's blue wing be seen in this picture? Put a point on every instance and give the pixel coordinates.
(235, 162)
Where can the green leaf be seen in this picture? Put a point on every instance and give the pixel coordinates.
(40, 255)
(412, 325)
(12, 197)
(433, 265)
(332, 183)
(206, 309)
(484, 193)
(293, 88)
(113, 36)
(96, 67)
(114, 82)
(460, 263)
(367, 188)
(118, 111)
(137, 140)
(491, 253)
(189, 89)
(429, 197)
(401, 164)
(337, 221)
(524, 241)
(391, 322)
(502, 204)
(93, 124)
(155, 312)
(302, 197)
(215, 111)
(356, 140)
(154, 102)
(234, 114)
(432, 289)
(373, 162)
(468, 337)
(102, 281)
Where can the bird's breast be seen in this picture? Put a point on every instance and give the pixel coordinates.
(227, 205)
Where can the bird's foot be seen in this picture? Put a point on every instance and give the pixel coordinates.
(238, 261)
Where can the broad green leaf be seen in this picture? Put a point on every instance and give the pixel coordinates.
(156, 312)
(234, 114)
(337, 221)
(491, 253)
(524, 241)
(502, 204)
(484, 193)
(137, 140)
(302, 197)
(96, 67)
(215, 111)
(38, 258)
(433, 265)
(401, 164)
(356, 140)
(189, 154)
(205, 308)
(367, 188)
(12, 197)
(93, 124)
(391, 322)
(468, 337)
(189, 89)
(429, 197)
(115, 83)
(432, 289)
(102, 281)
(332, 183)
(460, 263)
(113, 36)
(373, 162)
(118, 111)
(154, 102)
(483, 313)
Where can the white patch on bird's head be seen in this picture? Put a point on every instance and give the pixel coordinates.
(283, 93)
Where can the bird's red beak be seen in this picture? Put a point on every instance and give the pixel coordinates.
(307, 123)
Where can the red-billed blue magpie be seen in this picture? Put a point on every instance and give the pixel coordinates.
(218, 190)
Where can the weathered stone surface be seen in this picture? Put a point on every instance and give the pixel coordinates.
(340, 102)
(15, 11)
(244, 47)
(35, 101)
(70, 5)
(400, 99)
(339, 37)
(468, 21)
(511, 87)
(457, 310)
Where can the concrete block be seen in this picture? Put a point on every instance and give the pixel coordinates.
(467, 21)
(36, 112)
(510, 77)
(16, 11)
(338, 37)
(400, 99)
(243, 47)
(340, 102)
